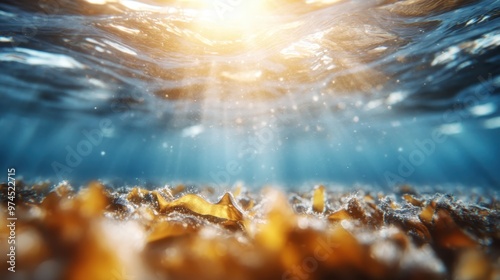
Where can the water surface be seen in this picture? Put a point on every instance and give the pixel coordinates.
(286, 92)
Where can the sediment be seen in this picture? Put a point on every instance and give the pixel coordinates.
(177, 232)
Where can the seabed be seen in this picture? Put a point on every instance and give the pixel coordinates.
(104, 233)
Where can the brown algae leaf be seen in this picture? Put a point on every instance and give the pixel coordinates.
(449, 235)
(75, 233)
(224, 209)
(427, 214)
(318, 200)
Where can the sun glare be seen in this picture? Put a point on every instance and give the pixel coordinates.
(231, 15)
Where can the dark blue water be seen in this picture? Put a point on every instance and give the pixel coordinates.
(375, 93)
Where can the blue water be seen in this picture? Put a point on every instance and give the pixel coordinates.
(349, 93)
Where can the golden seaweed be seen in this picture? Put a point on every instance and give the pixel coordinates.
(98, 233)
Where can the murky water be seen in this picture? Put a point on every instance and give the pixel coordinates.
(286, 92)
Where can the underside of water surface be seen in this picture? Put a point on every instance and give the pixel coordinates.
(377, 93)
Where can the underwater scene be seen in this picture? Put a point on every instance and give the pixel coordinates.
(240, 139)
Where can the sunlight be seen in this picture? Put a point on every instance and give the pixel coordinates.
(240, 11)
(222, 16)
